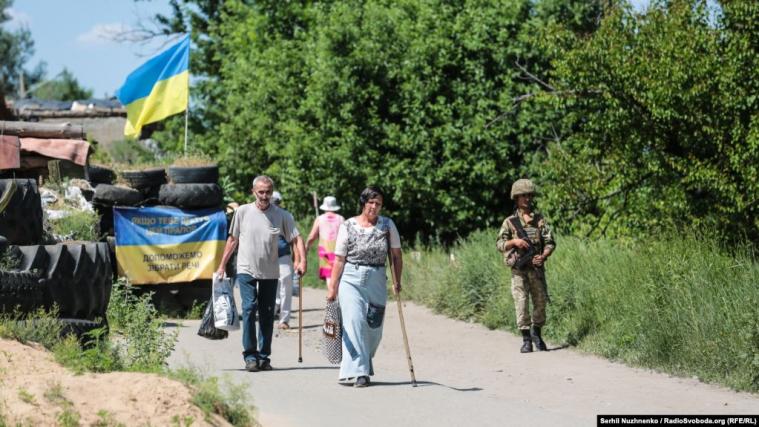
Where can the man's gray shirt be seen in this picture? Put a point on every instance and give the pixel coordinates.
(258, 233)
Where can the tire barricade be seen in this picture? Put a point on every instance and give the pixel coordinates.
(189, 187)
(75, 277)
(20, 211)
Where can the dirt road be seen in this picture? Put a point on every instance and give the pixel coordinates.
(467, 375)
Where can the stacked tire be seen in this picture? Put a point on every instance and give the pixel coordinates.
(20, 211)
(148, 182)
(189, 188)
(76, 278)
(192, 187)
(100, 175)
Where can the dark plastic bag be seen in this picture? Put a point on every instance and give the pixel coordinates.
(207, 329)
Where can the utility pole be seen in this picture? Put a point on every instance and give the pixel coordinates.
(21, 86)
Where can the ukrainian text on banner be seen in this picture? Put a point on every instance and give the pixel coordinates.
(168, 245)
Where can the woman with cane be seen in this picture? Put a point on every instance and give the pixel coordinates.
(359, 282)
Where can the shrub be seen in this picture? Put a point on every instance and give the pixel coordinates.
(144, 344)
(77, 225)
(227, 400)
(680, 304)
(40, 326)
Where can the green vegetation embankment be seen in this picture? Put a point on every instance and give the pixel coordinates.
(680, 305)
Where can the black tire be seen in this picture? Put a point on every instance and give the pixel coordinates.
(194, 175)
(88, 194)
(60, 270)
(99, 174)
(81, 282)
(21, 220)
(111, 249)
(33, 258)
(191, 195)
(75, 277)
(145, 179)
(103, 278)
(81, 327)
(105, 221)
(3, 244)
(106, 194)
(21, 291)
(193, 293)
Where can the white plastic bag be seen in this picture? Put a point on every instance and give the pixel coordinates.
(224, 310)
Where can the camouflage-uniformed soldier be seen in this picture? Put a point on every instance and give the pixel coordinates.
(527, 280)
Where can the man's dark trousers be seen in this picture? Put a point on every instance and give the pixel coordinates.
(257, 294)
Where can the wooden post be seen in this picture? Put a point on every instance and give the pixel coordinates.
(43, 130)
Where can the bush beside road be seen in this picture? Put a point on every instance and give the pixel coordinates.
(680, 304)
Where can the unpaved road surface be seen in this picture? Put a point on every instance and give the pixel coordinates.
(467, 375)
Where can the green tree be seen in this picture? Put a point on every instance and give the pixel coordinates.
(424, 97)
(662, 108)
(16, 48)
(333, 96)
(64, 87)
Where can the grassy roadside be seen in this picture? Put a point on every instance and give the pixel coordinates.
(681, 305)
(137, 342)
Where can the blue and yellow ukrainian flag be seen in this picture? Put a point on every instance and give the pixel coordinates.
(158, 89)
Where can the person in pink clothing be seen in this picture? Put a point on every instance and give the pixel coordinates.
(325, 228)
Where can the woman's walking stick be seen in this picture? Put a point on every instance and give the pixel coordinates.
(400, 316)
(300, 318)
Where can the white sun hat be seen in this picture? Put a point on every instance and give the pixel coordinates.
(330, 204)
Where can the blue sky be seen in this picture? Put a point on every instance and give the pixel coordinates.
(75, 34)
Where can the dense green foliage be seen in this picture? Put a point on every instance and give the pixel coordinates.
(145, 344)
(136, 341)
(16, 48)
(682, 305)
(628, 120)
(663, 118)
(64, 87)
(331, 96)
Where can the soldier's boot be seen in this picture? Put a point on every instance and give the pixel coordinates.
(526, 342)
(538, 339)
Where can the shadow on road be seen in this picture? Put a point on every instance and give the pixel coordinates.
(422, 384)
(561, 347)
(288, 368)
(173, 325)
(310, 326)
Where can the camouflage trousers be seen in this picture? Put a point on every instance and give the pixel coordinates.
(525, 285)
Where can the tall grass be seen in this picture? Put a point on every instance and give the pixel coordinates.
(137, 342)
(78, 225)
(143, 342)
(682, 305)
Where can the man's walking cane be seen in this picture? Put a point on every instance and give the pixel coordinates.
(400, 316)
(300, 318)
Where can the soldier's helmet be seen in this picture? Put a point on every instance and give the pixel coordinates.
(522, 186)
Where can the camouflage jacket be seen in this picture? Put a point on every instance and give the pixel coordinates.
(537, 230)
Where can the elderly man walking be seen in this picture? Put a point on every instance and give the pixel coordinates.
(255, 230)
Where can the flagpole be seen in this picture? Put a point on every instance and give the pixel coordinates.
(186, 117)
(187, 110)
